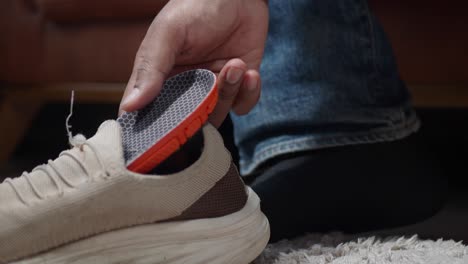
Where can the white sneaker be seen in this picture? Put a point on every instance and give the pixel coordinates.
(86, 207)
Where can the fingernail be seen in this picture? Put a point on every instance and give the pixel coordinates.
(252, 84)
(234, 75)
(132, 96)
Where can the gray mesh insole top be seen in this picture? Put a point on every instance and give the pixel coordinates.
(179, 97)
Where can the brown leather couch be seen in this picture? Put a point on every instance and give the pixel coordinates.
(430, 42)
(49, 47)
(71, 40)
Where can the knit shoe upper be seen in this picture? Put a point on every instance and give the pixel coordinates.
(88, 191)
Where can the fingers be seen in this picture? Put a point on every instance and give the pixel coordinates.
(238, 88)
(229, 82)
(249, 93)
(154, 60)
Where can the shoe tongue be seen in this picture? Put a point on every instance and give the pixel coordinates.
(108, 142)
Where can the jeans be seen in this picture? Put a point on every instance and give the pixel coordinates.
(329, 79)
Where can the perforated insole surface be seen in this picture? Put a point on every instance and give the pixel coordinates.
(175, 115)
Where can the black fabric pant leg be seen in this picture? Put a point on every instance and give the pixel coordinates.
(351, 189)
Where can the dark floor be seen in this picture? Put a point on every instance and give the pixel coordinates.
(445, 130)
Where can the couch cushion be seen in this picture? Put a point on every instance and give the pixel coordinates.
(92, 10)
(34, 49)
(429, 39)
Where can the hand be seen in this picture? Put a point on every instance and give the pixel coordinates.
(224, 36)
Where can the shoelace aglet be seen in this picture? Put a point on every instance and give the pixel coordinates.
(79, 139)
(67, 121)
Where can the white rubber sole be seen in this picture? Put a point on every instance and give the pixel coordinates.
(237, 238)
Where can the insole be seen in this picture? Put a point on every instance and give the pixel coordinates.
(152, 134)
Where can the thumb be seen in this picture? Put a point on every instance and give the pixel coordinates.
(153, 62)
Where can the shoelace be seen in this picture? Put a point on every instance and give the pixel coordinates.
(78, 141)
(50, 166)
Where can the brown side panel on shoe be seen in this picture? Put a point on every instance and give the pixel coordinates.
(226, 197)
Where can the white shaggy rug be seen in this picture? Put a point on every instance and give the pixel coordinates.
(336, 248)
